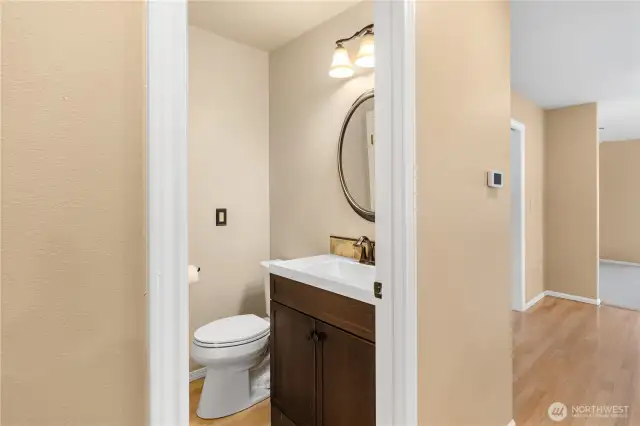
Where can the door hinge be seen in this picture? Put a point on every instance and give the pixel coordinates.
(377, 290)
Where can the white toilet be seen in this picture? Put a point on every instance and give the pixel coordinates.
(235, 352)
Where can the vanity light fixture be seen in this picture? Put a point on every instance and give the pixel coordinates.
(341, 64)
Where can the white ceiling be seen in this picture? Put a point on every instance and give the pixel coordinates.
(264, 24)
(567, 53)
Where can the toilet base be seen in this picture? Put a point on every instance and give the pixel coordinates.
(225, 393)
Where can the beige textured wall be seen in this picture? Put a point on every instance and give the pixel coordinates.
(306, 112)
(620, 201)
(228, 168)
(571, 200)
(464, 293)
(1, 98)
(73, 225)
(532, 116)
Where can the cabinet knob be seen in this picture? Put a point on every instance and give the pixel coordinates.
(315, 336)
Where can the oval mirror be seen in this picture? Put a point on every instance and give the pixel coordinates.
(356, 156)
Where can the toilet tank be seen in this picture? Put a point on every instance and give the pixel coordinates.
(267, 282)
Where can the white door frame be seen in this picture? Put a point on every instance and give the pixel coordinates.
(519, 302)
(168, 291)
(168, 306)
(396, 312)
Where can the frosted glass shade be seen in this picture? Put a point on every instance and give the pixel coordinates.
(366, 57)
(341, 64)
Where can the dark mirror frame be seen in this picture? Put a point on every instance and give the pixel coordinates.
(364, 213)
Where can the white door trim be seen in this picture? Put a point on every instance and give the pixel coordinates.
(396, 312)
(168, 291)
(520, 304)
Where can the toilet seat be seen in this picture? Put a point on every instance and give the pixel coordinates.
(232, 331)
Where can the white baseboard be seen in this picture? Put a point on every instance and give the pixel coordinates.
(619, 262)
(513, 422)
(559, 295)
(197, 374)
(572, 297)
(533, 301)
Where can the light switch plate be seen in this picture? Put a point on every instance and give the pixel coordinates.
(221, 217)
(495, 179)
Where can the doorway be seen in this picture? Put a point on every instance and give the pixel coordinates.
(517, 188)
(168, 293)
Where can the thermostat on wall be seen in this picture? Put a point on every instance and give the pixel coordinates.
(494, 179)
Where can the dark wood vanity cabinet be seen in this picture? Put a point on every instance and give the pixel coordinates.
(293, 364)
(322, 357)
(346, 394)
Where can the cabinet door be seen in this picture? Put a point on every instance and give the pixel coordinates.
(279, 419)
(346, 373)
(293, 364)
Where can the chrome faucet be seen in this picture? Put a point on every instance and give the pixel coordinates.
(368, 253)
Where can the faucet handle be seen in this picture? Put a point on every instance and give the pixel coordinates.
(361, 241)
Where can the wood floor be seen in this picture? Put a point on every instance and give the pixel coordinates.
(577, 354)
(258, 415)
(563, 351)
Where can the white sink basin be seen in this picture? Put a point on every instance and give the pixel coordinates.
(336, 274)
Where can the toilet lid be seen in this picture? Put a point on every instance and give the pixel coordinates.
(232, 330)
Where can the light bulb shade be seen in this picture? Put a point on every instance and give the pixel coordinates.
(366, 58)
(341, 65)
